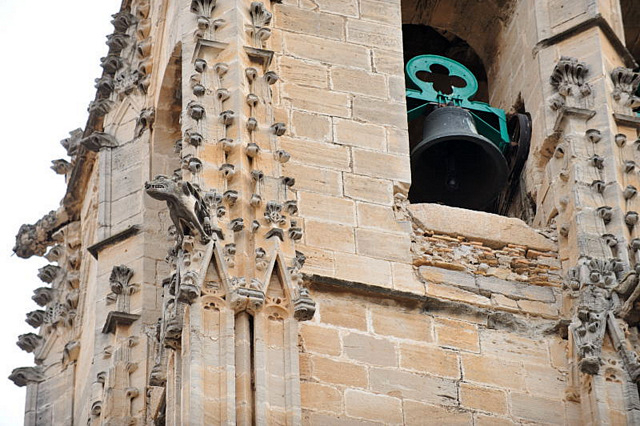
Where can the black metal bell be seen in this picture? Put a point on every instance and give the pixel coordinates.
(454, 165)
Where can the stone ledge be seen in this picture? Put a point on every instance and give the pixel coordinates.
(493, 230)
(116, 238)
(115, 318)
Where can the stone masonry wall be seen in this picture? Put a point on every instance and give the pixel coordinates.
(342, 87)
(373, 360)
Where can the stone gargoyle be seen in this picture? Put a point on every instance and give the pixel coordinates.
(187, 209)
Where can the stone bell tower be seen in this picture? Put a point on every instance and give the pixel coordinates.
(238, 243)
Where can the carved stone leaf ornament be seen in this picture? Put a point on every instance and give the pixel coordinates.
(568, 80)
(119, 279)
(625, 84)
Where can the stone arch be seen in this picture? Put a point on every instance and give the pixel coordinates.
(167, 129)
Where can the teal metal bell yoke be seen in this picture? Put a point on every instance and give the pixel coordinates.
(490, 122)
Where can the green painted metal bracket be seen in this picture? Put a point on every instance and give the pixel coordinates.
(491, 122)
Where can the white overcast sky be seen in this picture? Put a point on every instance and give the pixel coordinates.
(49, 58)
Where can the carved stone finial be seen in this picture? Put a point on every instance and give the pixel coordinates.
(303, 306)
(625, 85)
(203, 8)
(25, 375)
(273, 213)
(189, 289)
(119, 278)
(568, 79)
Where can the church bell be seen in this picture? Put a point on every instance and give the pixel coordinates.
(454, 164)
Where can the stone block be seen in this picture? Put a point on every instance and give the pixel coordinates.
(494, 230)
(370, 406)
(429, 359)
(516, 290)
(374, 35)
(330, 236)
(378, 217)
(536, 409)
(381, 11)
(323, 419)
(456, 294)
(388, 62)
(328, 51)
(366, 188)
(397, 141)
(317, 154)
(447, 276)
(339, 373)
(559, 353)
(320, 397)
(380, 111)
(514, 347)
(370, 350)
(318, 261)
(346, 314)
(363, 269)
(357, 81)
(423, 388)
(482, 420)
(322, 340)
(303, 73)
(328, 26)
(397, 91)
(418, 413)
(405, 278)
(503, 302)
(383, 245)
(483, 398)
(311, 126)
(490, 370)
(545, 310)
(314, 179)
(545, 381)
(353, 133)
(411, 325)
(327, 208)
(381, 165)
(457, 334)
(316, 100)
(340, 7)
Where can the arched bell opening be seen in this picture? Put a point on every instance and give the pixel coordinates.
(630, 11)
(464, 152)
